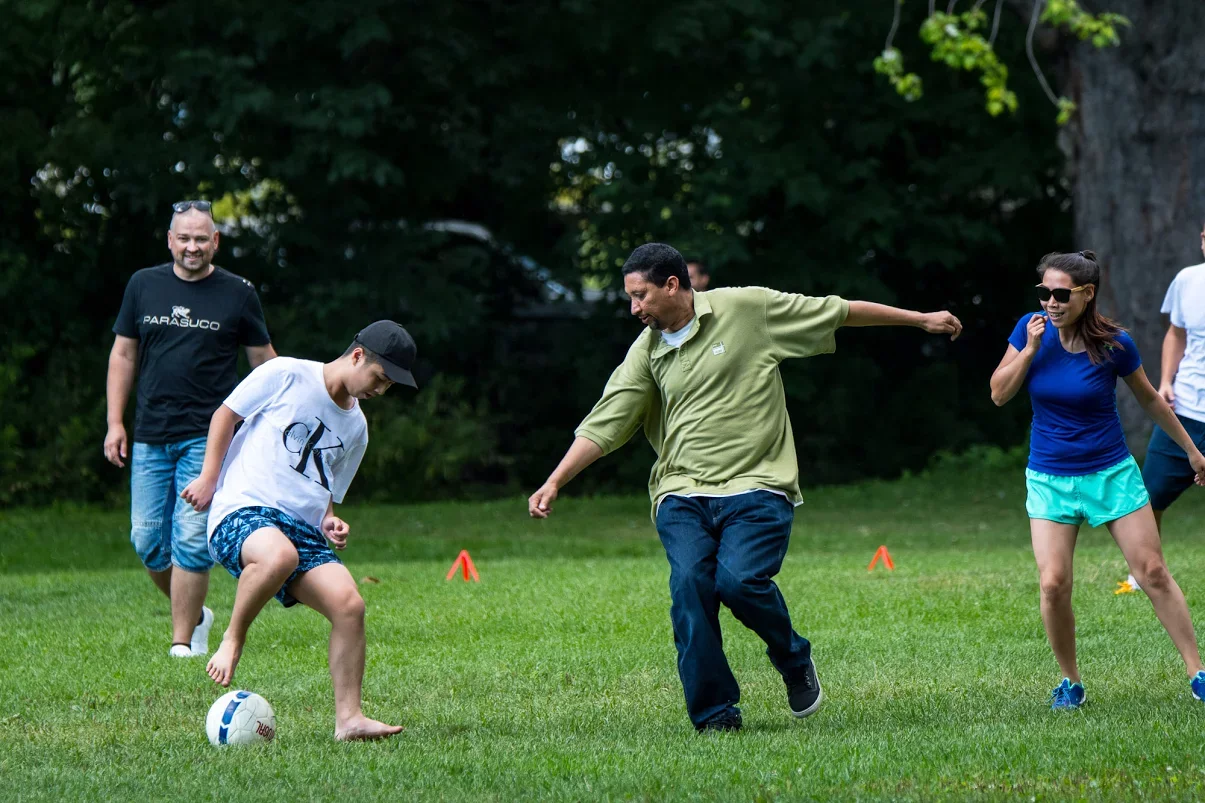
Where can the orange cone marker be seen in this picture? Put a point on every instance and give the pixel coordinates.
(881, 552)
(466, 566)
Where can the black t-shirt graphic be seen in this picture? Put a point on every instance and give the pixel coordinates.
(189, 334)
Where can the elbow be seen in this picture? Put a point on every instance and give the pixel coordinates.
(998, 397)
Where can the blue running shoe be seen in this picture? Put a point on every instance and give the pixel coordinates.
(1068, 696)
(1198, 685)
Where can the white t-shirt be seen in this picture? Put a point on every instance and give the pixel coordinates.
(296, 450)
(1185, 303)
(676, 339)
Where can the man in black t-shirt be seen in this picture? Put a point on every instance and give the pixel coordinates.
(179, 330)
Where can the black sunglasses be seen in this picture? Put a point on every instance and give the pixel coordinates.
(1059, 294)
(184, 206)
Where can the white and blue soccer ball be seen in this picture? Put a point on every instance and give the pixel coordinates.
(240, 717)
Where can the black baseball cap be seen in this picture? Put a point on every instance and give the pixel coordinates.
(394, 346)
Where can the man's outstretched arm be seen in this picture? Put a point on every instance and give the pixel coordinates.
(582, 453)
(867, 313)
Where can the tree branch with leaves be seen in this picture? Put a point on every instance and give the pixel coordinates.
(965, 41)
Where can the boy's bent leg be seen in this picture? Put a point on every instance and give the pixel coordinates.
(268, 557)
(330, 590)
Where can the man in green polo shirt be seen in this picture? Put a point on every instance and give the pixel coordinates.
(702, 381)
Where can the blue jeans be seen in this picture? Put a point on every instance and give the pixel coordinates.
(164, 529)
(726, 549)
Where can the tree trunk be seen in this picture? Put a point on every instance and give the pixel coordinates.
(1137, 159)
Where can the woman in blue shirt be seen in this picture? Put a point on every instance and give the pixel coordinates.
(1070, 356)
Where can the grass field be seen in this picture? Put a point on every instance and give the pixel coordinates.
(554, 678)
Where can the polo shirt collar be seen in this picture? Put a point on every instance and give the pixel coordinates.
(702, 307)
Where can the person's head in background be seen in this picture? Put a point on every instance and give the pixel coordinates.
(700, 277)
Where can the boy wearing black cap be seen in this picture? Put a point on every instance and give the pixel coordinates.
(273, 487)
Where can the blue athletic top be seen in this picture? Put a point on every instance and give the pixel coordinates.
(1076, 428)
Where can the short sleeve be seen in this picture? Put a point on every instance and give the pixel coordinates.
(126, 324)
(348, 466)
(252, 329)
(1020, 336)
(802, 326)
(1126, 359)
(1172, 305)
(259, 388)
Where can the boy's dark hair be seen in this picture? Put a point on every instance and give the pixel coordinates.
(656, 262)
(371, 356)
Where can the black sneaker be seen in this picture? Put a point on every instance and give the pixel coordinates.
(804, 694)
(728, 721)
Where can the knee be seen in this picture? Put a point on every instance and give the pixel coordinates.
(281, 562)
(1153, 575)
(1055, 584)
(732, 587)
(691, 582)
(350, 606)
(151, 547)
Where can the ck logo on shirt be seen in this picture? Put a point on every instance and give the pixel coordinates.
(180, 317)
(311, 442)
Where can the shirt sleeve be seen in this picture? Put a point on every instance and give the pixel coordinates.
(802, 326)
(625, 401)
(1020, 334)
(126, 324)
(1126, 360)
(252, 329)
(1171, 304)
(259, 388)
(348, 466)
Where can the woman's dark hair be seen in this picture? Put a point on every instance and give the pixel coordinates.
(656, 262)
(1098, 332)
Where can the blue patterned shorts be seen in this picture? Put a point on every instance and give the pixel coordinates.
(226, 543)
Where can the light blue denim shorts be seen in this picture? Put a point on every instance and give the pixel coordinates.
(164, 529)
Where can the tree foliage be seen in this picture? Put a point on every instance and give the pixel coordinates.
(959, 42)
(473, 170)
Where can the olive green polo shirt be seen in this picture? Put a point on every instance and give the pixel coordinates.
(714, 409)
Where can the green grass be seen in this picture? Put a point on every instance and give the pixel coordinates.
(554, 677)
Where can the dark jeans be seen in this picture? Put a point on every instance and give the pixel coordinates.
(726, 549)
(1166, 470)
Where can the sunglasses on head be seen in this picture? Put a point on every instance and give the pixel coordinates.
(1059, 294)
(184, 206)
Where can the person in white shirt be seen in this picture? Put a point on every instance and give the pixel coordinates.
(271, 489)
(1166, 471)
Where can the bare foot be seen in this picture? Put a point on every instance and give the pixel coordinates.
(363, 729)
(221, 665)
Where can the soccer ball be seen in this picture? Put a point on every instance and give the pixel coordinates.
(240, 717)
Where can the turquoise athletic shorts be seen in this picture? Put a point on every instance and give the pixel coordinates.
(1098, 498)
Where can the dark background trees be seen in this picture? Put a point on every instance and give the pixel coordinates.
(479, 170)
